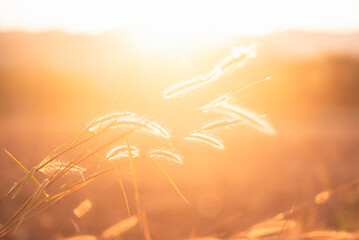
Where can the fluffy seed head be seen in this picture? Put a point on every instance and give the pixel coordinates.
(170, 156)
(216, 102)
(221, 124)
(205, 139)
(122, 152)
(247, 116)
(191, 84)
(129, 120)
(56, 165)
(238, 57)
(103, 121)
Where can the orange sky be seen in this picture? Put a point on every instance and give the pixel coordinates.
(179, 17)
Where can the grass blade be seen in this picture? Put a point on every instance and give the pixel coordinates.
(146, 229)
(23, 183)
(12, 188)
(25, 170)
(119, 180)
(170, 180)
(134, 179)
(36, 194)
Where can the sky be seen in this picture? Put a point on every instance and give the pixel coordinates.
(180, 17)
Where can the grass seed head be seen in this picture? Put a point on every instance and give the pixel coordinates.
(205, 139)
(248, 117)
(57, 166)
(126, 120)
(165, 154)
(225, 123)
(122, 152)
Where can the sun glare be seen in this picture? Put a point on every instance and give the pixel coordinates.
(163, 24)
(190, 119)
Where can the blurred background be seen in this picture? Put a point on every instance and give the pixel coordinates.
(64, 63)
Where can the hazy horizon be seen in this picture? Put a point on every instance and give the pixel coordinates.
(180, 18)
(78, 80)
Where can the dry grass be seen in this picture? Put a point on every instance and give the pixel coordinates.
(103, 136)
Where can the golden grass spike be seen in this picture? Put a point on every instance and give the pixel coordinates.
(239, 56)
(129, 120)
(121, 152)
(120, 227)
(82, 208)
(141, 124)
(221, 124)
(248, 117)
(191, 84)
(216, 102)
(328, 235)
(170, 156)
(97, 123)
(156, 128)
(170, 180)
(130, 123)
(56, 165)
(81, 159)
(322, 197)
(134, 179)
(106, 121)
(25, 170)
(205, 139)
(70, 147)
(28, 176)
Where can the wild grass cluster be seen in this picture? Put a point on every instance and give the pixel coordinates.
(106, 146)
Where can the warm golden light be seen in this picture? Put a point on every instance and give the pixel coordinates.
(186, 119)
(162, 25)
(179, 18)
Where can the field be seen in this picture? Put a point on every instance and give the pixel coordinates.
(54, 84)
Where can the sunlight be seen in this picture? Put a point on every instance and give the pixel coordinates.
(180, 17)
(173, 18)
(185, 119)
(163, 24)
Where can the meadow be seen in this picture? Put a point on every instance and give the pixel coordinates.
(53, 85)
